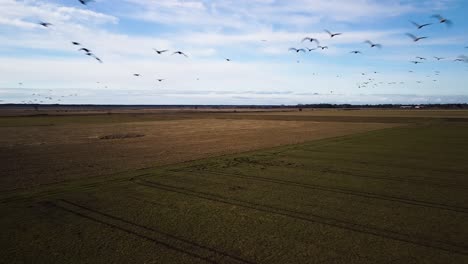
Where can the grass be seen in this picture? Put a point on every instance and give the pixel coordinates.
(397, 195)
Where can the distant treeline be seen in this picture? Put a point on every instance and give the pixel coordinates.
(386, 106)
(299, 106)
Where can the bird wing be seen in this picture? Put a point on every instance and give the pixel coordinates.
(303, 50)
(425, 25)
(306, 38)
(438, 16)
(293, 49)
(411, 36)
(415, 24)
(369, 42)
(326, 30)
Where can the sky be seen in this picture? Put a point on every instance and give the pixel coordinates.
(40, 64)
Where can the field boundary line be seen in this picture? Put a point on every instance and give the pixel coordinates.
(382, 233)
(343, 191)
(167, 240)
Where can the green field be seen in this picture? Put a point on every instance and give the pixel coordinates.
(396, 195)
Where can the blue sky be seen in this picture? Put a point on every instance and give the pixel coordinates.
(38, 62)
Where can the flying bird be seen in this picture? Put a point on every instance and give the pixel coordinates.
(297, 50)
(312, 49)
(438, 58)
(373, 44)
(420, 26)
(421, 58)
(416, 62)
(160, 51)
(443, 20)
(98, 59)
(227, 59)
(76, 43)
(332, 34)
(159, 80)
(356, 52)
(311, 40)
(180, 53)
(136, 74)
(85, 50)
(85, 2)
(45, 24)
(322, 47)
(415, 39)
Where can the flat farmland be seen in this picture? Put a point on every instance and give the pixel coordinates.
(236, 188)
(43, 150)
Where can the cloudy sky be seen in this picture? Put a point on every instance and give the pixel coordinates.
(38, 62)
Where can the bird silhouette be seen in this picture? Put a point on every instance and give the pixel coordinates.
(76, 43)
(85, 2)
(421, 58)
(160, 51)
(420, 26)
(85, 50)
(332, 35)
(180, 53)
(136, 74)
(356, 52)
(416, 62)
(415, 39)
(373, 44)
(312, 49)
(297, 50)
(45, 24)
(311, 40)
(159, 80)
(322, 47)
(438, 58)
(443, 20)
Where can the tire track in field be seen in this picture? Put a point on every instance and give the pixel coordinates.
(312, 218)
(343, 191)
(169, 241)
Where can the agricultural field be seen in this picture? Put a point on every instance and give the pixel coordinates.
(325, 186)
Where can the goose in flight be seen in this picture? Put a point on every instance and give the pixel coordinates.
(438, 58)
(312, 49)
(180, 53)
(373, 44)
(322, 47)
(421, 58)
(85, 50)
(45, 24)
(416, 62)
(356, 52)
(311, 40)
(415, 39)
(160, 51)
(443, 20)
(297, 50)
(85, 2)
(420, 26)
(76, 43)
(98, 59)
(332, 34)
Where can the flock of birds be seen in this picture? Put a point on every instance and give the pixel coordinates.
(368, 82)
